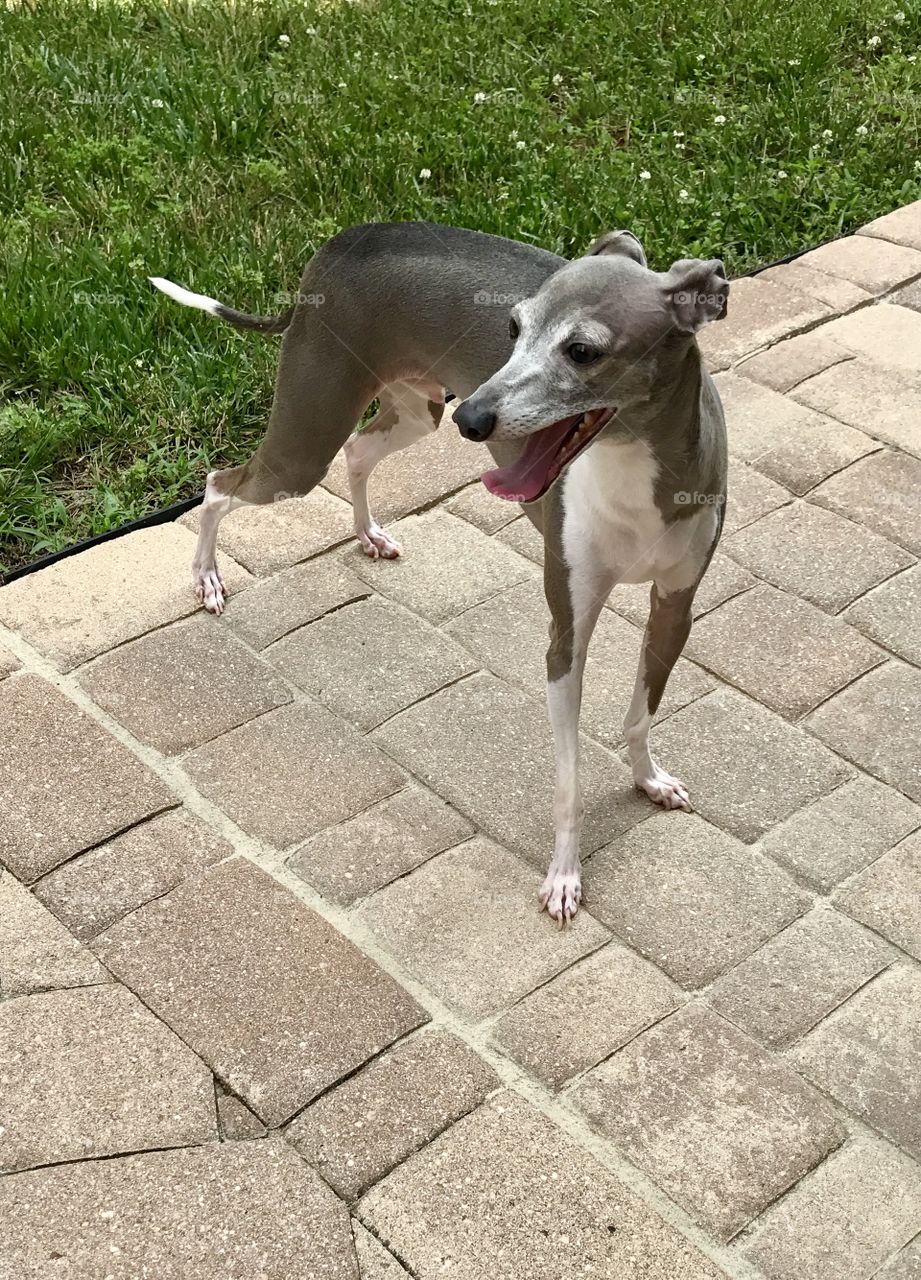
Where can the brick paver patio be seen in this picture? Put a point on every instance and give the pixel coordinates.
(268, 931)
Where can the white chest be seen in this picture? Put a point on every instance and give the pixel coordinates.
(611, 517)
(610, 504)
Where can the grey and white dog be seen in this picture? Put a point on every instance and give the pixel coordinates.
(591, 395)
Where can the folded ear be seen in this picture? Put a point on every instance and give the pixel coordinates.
(624, 242)
(697, 292)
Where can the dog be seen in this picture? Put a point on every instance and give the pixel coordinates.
(585, 381)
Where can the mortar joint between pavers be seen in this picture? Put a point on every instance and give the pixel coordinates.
(893, 289)
(218, 1125)
(915, 1239)
(100, 844)
(847, 1118)
(489, 1023)
(372, 1231)
(449, 684)
(826, 413)
(845, 466)
(854, 1129)
(759, 582)
(868, 590)
(808, 326)
(845, 358)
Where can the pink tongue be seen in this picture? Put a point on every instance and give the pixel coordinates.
(524, 479)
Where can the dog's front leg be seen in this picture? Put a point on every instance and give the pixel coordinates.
(575, 596)
(665, 636)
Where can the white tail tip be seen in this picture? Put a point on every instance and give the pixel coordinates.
(185, 296)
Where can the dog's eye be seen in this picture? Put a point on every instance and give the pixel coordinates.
(579, 353)
(513, 328)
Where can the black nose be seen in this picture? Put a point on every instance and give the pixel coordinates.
(474, 423)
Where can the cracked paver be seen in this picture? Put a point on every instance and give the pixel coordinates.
(91, 1072)
(65, 784)
(275, 996)
(237, 1209)
(275, 999)
(370, 1123)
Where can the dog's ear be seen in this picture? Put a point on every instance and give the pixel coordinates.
(624, 242)
(697, 292)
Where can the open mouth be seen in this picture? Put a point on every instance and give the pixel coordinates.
(544, 456)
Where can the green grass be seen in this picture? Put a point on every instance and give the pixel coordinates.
(187, 140)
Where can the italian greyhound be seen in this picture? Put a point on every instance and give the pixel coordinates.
(584, 379)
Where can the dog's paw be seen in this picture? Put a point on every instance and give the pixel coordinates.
(663, 789)
(210, 589)
(560, 895)
(377, 543)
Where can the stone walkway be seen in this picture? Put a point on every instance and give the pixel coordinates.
(275, 997)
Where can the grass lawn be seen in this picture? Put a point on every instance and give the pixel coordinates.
(220, 144)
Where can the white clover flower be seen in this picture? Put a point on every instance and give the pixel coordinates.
(156, 102)
(645, 175)
(479, 97)
(684, 195)
(827, 133)
(310, 31)
(677, 133)
(520, 145)
(912, 57)
(793, 62)
(284, 41)
(701, 57)
(874, 41)
(425, 173)
(899, 16)
(680, 146)
(558, 79)
(782, 173)
(918, 166)
(719, 119)
(861, 131)
(343, 85)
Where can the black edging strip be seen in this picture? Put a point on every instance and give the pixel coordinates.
(180, 508)
(143, 522)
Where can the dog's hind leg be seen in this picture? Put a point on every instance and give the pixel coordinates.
(575, 595)
(206, 576)
(408, 411)
(321, 392)
(665, 636)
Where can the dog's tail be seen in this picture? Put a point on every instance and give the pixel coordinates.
(261, 324)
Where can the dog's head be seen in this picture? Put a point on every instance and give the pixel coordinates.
(591, 342)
